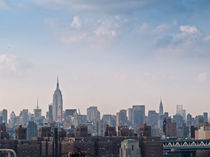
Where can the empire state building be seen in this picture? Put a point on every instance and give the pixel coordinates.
(57, 104)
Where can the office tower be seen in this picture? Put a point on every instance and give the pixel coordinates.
(79, 119)
(4, 116)
(169, 128)
(178, 119)
(100, 128)
(121, 118)
(152, 118)
(109, 119)
(161, 108)
(205, 116)
(189, 120)
(181, 111)
(138, 115)
(130, 115)
(129, 148)
(20, 133)
(24, 116)
(32, 130)
(57, 104)
(70, 112)
(93, 115)
(50, 113)
(37, 111)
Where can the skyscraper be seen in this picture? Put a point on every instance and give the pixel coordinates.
(32, 130)
(4, 116)
(138, 115)
(93, 115)
(161, 108)
(57, 104)
(50, 113)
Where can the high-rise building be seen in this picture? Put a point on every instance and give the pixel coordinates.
(169, 128)
(50, 113)
(93, 115)
(138, 115)
(181, 111)
(20, 133)
(152, 118)
(161, 108)
(121, 118)
(57, 104)
(24, 116)
(4, 116)
(32, 130)
(109, 119)
(205, 116)
(130, 115)
(100, 129)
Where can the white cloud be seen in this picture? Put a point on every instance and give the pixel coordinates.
(161, 28)
(8, 5)
(202, 77)
(92, 32)
(4, 5)
(188, 29)
(11, 65)
(207, 38)
(76, 22)
(8, 63)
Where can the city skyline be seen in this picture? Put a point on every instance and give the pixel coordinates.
(112, 55)
(58, 109)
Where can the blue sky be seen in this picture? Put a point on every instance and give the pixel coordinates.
(109, 53)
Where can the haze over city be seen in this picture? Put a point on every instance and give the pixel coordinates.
(111, 54)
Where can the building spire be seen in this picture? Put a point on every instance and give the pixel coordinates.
(37, 103)
(161, 107)
(57, 83)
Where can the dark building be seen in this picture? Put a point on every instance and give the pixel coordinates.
(81, 131)
(151, 146)
(192, 131)
(145, 130)
(110, 131)
(45, 132)
(169, 128)
(3, 132)
(20, 133)
(123, 131)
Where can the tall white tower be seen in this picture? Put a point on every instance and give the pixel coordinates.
(57, 104)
